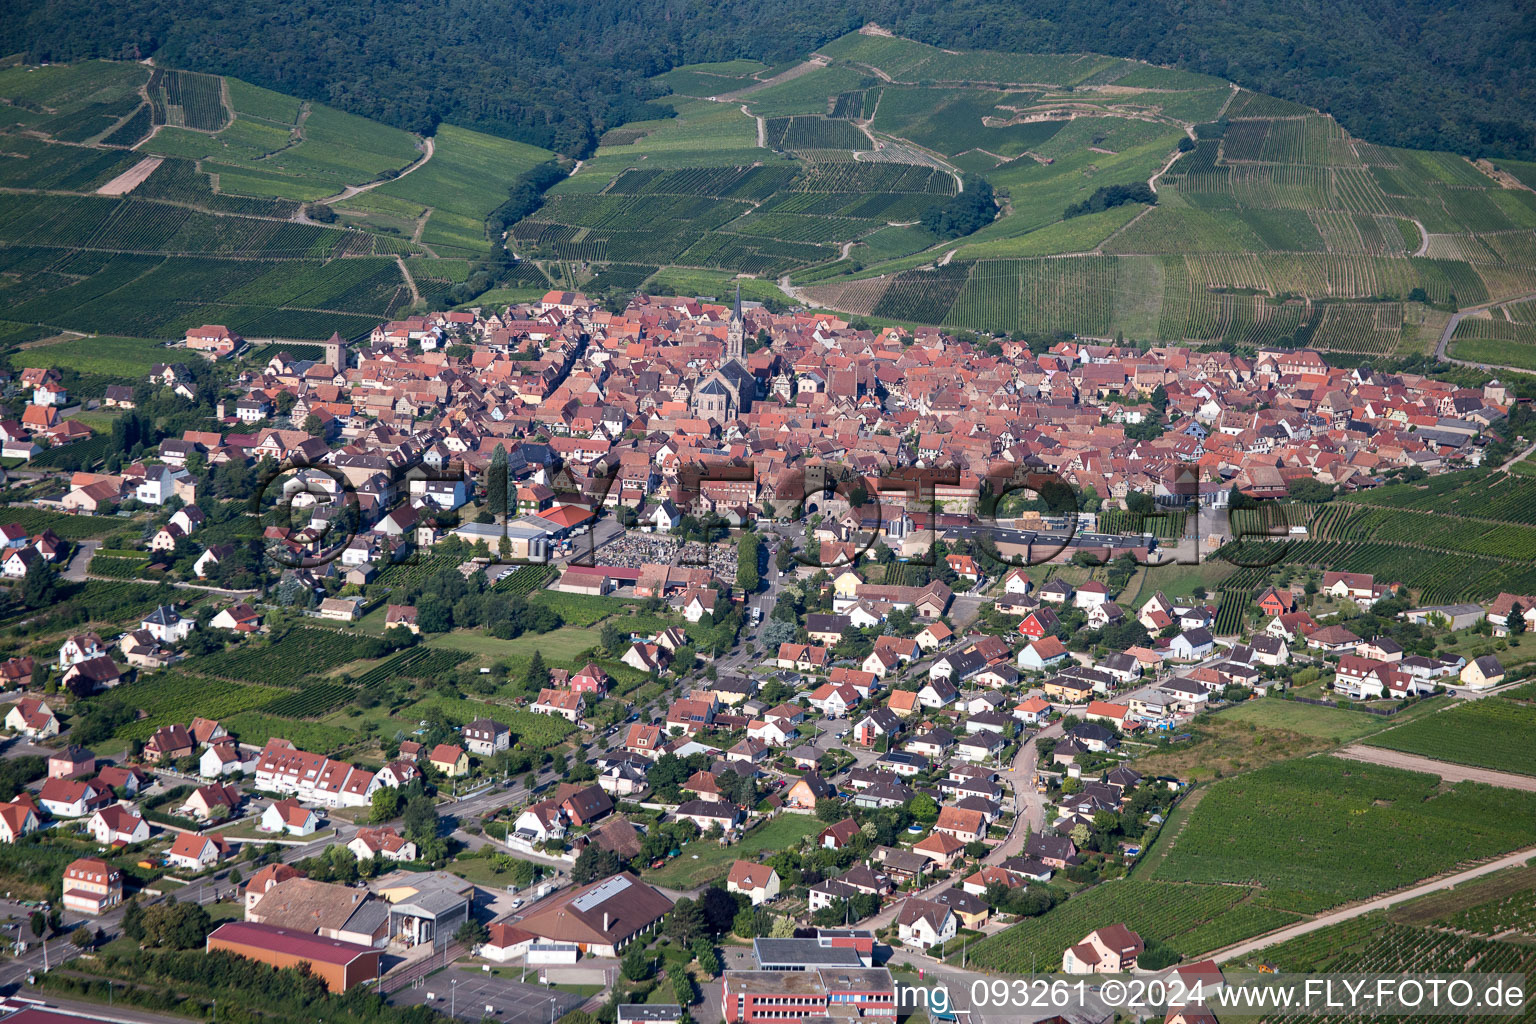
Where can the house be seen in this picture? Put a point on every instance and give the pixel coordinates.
(1033, 711)
(18, 818)
(194, 852)
(402, 615)
(970, 911)
(450, 759)
(289, 816)
(933, 636)
(1500, 611)
(1333, 640)
(941, 848)
(566, 704)
(486, 736)
(87, 677)
(16, 673)
(806, 790)
(645, 740)
(837, 835)
(169, 743)
(1040, 654)
(339, 609)
(71, 763)
(239, 617)
(79, 648)
(1112, 949)
(383, 842)
(1481, 673)
(924, 923)
(220, 758)
(215, 800)
(826, 629)
(709, 814)
(1359, 587)
(966, 826)
(1054, 851)
(881, 723)
(92, 886)
(936, 693)
(1094, 737)
(1192, 645)
(759, 882)
(804, 657)
(72, 798)
(117, 824)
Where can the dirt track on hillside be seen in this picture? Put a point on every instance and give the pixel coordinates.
(1447, 771)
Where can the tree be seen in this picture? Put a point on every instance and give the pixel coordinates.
(472, 932)
(719, 909)
(133, 920)
(593, 863)
(829, 811)
(923, 808)
(709, 961)
(40, 587)
(496, 484)
(235, 877)
(420, 818)
(686, 922)
(39, 923)
(523, 872)
(613, 639)
(386, 804)
(537, 676)
(313, 426)
(748, 551)
(636, 965)
(1160, 401)
(751, 923)
(1516, 619)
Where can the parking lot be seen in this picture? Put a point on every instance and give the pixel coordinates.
(475, 994)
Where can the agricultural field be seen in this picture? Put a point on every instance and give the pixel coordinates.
(468, 177)
(89, 247)
(1276, 227)
(301, 651)
(170, 697)
(1488, 733)
(1319, 831)
(1192, 919)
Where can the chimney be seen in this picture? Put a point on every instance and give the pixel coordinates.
(605, 921)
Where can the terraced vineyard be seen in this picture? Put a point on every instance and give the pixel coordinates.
(1276, 227)
(201, 222)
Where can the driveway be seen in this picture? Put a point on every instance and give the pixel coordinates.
(81, 562)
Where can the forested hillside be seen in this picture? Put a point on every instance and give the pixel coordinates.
(558, 73)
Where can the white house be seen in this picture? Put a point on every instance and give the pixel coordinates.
(288, 816)
(924, 923)
(117, 824)
(167, 625)
(758, 881)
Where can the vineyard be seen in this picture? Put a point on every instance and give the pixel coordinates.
(1169, 525)
(525, 579)
(1370, 944)
(1193, 919)
(184, 246)
(171, 697)
(1490, 733)
(1437, 577)
(1476, 494)
(414, 663)
(301, 651)
(312, 701)
(1320, 831)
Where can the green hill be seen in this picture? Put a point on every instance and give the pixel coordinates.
(1271, 225)
(141, 201)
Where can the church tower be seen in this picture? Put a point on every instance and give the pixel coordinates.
(735, 334)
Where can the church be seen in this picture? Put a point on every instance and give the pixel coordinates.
(728, 392)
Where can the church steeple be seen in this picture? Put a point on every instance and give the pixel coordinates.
(735, 334)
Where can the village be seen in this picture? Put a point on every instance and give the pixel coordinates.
(692, 661)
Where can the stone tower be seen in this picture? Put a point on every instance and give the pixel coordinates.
(735, 334)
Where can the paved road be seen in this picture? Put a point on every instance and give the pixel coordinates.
(79, 564)
(1461, 314)
(1243, 949)
(1447, 771)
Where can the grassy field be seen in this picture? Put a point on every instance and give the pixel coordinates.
(1319, 831)
(714, 861)
(1488, 733)
(115, 357)
(1332, 725)
(559, 647)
